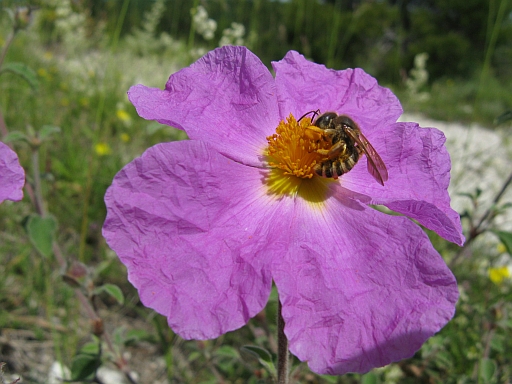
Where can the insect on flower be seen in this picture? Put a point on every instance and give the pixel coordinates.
(347, 145)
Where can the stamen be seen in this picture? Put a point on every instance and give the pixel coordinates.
(292, 154)
(292, 151)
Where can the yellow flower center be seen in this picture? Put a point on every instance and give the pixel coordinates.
(292, 156)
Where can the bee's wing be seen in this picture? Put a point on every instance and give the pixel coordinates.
(376, 166)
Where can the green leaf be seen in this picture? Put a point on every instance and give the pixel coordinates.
(506, 239)
(466, 194)
(193, 356)
(154, 127)
(498, 343)
(113, 290)
(15, 136)
(227, 351)
(47, 130)
(487, 370)
(263, 356)
(504, 117)
(136, 335)
(41, 232)
(369, 378)
(260, 353)
(23, 71)
(84, 366)
(10, 12)
(91, 348)
(330, 379)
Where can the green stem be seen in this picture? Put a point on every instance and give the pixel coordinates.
(490, 47)
(333, 40)
(282, 349)
(38, 190)
(6, 46)
(3, 126)
(192, 32)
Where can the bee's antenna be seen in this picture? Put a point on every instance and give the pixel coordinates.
(315, 113)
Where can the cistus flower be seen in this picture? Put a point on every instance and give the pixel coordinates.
(204, 226)
(12, 175)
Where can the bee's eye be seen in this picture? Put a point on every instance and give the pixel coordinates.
(323, 121)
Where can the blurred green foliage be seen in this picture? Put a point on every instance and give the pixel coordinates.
(383, 36)
(468, 42)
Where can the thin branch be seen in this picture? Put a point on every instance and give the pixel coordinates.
(495, 201)
(483, 223)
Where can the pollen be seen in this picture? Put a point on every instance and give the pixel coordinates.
(292, 155)
(291, 150)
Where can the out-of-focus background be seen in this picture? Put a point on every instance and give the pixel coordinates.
(66, 308)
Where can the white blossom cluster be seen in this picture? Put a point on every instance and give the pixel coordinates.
(233, 35)
(418, 78)
(203, 25)
(146, 41)
(153, 16)
(69, 24)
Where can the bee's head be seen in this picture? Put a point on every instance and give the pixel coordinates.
(325, 120)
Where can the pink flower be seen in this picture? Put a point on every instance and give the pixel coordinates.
(204, 226)
(12, 175)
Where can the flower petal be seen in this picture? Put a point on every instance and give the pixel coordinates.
(304, 86)
(419, 174)
(194, 229)
(360, 289)
(227, 98)
(12, 175)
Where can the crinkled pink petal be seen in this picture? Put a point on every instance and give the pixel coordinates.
(195, 230)
(227, 98)
(419, 174)
(12, 175)
(304, 86)
(360, 289)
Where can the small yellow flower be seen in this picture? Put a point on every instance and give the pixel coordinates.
(123, 115)
(48, 55)
(125, 137)
(83, 101)
(497, 275)
(42, 72)
(501, 248)
(102, 149)
(64, 102)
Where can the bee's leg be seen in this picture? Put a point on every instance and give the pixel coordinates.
(335, 151)
(314, 133)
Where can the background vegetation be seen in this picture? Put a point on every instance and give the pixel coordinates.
(67, 299)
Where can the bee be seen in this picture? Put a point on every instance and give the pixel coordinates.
(347, 145)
